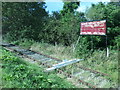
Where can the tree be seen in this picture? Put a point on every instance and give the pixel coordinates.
(69, 7)
(110, 12)
(63, 27)
(23, 19)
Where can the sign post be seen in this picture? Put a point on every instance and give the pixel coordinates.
(76, 44)
(107, 50)
(94, 28)
(92, 43)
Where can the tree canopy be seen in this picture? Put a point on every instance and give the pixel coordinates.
(110, 12)
(25, 18)
(31, 21)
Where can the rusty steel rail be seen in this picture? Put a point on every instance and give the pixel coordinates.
(39, 53)
(79, 80)
(28, 57)
(46, 55)
(94, 71)
(58, 70)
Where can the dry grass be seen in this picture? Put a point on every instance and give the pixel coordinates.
(57, 51)
(96, 60)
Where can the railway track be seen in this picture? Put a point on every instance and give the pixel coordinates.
(79, 75)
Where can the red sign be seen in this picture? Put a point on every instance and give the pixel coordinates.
(93, 28)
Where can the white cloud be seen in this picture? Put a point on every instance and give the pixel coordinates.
(84, 5)
(81, 9)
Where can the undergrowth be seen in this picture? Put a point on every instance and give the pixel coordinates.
(95, 60)
(58, 51)
(17, 73)
(98, 61)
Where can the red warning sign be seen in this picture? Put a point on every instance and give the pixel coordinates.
(93, 28)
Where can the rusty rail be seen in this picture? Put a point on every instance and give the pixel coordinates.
(58, 70)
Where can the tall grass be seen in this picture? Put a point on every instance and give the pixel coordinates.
(58, 51)
(95, 60)
(98, 61)
(20, 74)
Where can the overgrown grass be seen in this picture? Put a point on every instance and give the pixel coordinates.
(16, 73)
(96, 60)
(58, 51)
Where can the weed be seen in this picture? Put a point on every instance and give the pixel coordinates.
(20, 74)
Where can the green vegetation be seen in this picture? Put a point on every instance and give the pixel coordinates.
(16, 73)
(31, 26)
(96, 60)
(32, 22)
(58, 51)
(99, 62)
(111, 13)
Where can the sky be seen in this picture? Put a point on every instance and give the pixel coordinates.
(57, 5)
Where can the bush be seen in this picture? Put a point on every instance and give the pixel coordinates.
(82, 48)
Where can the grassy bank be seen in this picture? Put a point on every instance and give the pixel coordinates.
(17, 73)
(96, 60)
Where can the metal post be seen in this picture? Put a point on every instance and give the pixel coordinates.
(107, 50)
(91, 43)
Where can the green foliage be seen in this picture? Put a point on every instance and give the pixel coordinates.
(7, 56)
(59, 51)
(117, 41)
(95, 12)
(62, 27)
(32, 22)
(99, 62)
(17, 73)
(69, 7)
(23, 19)
(64, 30)
(110, 12)
(82, 49)
(26, 43)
